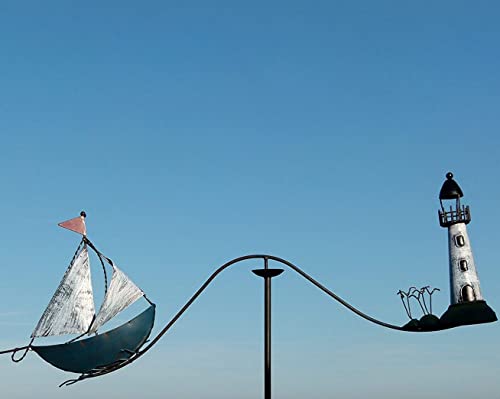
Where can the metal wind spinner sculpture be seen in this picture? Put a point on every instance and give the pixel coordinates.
(71, 311)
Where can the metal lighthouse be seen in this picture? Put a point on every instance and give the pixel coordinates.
(467, 305)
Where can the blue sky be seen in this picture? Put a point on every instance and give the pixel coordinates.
(196, 132)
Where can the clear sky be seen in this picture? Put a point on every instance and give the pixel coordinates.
(193, 132)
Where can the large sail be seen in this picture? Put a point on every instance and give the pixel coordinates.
(71, 309)
(122, 292)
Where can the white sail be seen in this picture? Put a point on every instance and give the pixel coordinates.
(71, 309)
(122, 292)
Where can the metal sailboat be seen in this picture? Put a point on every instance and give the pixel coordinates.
(71, 311)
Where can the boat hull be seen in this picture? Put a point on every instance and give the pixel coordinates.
(101, 350)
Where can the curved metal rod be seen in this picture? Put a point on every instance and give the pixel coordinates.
(276, 259)
(335, 296)
(204, 286)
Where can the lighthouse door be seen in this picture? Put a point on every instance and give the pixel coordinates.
(468, 294)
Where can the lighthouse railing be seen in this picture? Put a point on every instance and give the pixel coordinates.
(459, 215)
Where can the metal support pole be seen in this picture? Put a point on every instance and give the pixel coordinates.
(267, 339)
(267, 274)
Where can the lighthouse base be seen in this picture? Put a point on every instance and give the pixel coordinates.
(466, 313)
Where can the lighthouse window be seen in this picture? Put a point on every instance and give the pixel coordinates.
(463, 265)
(460, 240)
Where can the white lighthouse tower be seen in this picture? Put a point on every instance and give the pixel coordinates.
(467, 305)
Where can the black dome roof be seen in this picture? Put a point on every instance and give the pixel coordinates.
(450, 188)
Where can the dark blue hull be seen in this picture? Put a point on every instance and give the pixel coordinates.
(101, 350)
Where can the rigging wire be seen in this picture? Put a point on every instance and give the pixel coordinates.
(27, 348)
(100, 256)
(84, 242)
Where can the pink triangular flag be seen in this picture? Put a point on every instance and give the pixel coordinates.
(76, 224)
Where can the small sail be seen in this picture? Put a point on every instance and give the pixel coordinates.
(122, 292)
(71, 309)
